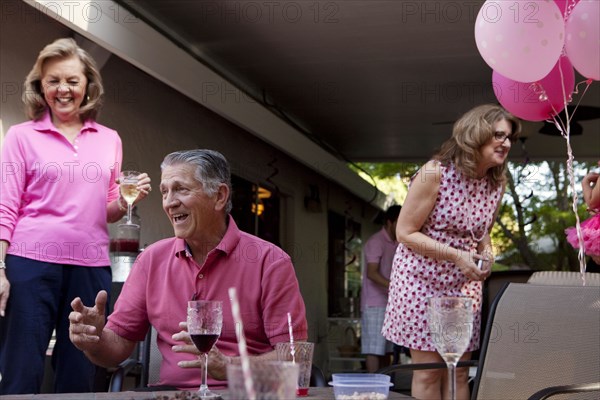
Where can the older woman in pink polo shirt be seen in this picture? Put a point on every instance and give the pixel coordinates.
(59, 190)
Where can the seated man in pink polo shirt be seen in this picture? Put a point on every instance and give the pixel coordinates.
(208, 255)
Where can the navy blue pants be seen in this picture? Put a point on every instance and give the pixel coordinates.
(39, 302)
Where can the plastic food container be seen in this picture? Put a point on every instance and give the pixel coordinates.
(352, 377)
(361, 386)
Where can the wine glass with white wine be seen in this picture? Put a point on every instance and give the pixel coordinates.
(450, 322)
(128, 184)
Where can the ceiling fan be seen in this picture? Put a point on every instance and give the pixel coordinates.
(582, 113)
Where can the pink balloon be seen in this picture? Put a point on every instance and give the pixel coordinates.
(565, 5)
(522, 40)
(583, 38)
(523, 99)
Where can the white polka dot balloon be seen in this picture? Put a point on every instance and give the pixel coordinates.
(583, 38)
(522, 40)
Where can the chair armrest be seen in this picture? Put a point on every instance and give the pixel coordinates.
(118, 376)
(317, 378)
(414, 367)
(404, 371)
(554, 390)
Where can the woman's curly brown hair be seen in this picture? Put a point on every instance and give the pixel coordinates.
(472, 131)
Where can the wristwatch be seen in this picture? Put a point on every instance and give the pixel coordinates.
(2, 264)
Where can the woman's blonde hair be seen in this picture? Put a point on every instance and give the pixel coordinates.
(33, 96)
(472, 131)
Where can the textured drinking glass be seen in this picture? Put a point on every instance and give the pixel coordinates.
(128, 184)
(450, 322)
(204, 322)
(272, 380)
(303, 356)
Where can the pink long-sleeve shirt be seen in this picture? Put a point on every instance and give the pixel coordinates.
(53, 202)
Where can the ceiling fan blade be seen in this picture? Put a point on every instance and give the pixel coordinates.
(550, 129)
(582, 113)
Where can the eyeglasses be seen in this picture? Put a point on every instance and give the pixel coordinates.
(502, 136)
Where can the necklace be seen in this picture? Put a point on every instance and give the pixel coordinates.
(467, 200)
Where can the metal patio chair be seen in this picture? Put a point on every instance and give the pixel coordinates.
(539, 341)
(564, 278)
(541, 338)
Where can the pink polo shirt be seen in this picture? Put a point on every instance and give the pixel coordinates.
(165, 277)
(379, 249)
(54, 193)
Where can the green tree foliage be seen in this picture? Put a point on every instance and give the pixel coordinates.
(387, 170)
(538, 205)
(390, 178)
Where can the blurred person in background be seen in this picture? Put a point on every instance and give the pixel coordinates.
(590, 228)
(379, 254)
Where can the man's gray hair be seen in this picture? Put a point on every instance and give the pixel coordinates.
(212, 169)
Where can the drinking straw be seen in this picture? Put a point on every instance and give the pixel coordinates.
(292, 349)
(235, 310)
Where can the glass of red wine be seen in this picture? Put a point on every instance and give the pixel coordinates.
(204, 322)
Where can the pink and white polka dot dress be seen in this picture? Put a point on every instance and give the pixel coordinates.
(462, 214)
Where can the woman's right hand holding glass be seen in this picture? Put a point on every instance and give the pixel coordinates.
(133, 187)
(143, 187)
(466, 261)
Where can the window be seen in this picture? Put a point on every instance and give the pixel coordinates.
(345, 253)
(256, 209)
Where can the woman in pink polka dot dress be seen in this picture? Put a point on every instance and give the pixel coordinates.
(443, 230)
